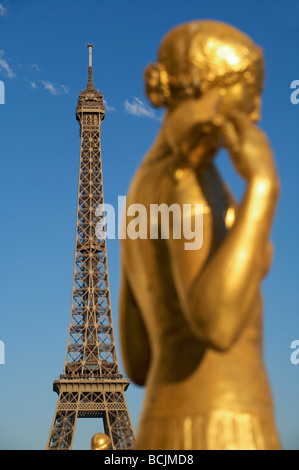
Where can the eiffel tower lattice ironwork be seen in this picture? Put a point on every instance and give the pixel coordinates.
(91, 384)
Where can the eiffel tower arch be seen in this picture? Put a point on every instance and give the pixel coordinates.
(91, 385)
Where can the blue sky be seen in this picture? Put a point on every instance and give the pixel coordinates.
(43, 64)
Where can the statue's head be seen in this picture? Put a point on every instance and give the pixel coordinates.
(202, 55)
(100, 441)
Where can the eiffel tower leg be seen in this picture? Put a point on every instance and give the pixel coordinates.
(117, 423)
(120, 429)
(64, 424)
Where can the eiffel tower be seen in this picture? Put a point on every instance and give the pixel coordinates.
(91, 385)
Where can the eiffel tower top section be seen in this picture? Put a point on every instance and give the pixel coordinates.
(90, 99)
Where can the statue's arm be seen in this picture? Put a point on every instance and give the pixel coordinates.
(133, 335)
(217, 292)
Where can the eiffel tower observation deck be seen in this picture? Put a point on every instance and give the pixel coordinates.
(91, 385)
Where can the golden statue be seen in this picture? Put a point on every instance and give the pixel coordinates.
(191, 319)
(100, 441)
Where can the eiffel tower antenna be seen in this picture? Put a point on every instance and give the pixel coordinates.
(90, 69)
(90, 46)
(91, 384)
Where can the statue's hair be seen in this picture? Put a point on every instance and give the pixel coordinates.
(196, 56)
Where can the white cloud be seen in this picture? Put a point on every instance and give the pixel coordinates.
(2, 10)
(35, 67)
(107, 107)
(65, 89)
(54, 89)
(4, 66)
(140, 109)
(49, 87)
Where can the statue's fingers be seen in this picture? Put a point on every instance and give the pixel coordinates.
(240, 120)
(231, 139)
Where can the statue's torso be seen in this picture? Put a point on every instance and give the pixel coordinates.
(186, 378)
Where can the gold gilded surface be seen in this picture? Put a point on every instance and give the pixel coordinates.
(191, 320)
(100, 441)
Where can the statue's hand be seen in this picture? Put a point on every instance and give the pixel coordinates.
(249, 148)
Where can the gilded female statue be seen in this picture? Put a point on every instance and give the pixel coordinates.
(191, 320)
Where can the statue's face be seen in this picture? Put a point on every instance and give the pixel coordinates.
(242, 97)
(184, 125)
